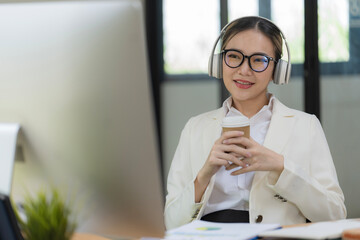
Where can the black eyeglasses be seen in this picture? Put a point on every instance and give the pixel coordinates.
(257, 62)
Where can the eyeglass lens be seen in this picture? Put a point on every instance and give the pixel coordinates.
(257, 62)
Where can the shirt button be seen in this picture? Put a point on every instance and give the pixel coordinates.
(259, 219)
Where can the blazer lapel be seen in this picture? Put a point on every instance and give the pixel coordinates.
(280, 129)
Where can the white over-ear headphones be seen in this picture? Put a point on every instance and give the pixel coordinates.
(282, 70)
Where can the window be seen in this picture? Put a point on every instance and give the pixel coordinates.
(237, 9)
(289, 17)
(190, 29)
(333, 31)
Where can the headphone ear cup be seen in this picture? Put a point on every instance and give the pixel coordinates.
(282, 72)
(215, 66)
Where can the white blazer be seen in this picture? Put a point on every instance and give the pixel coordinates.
(307, 188)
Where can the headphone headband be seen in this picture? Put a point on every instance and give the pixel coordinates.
(282, 70)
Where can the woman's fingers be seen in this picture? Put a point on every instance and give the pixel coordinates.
(244, 141)
(241, 163)
(256, 157)
(227, 152)
(236, 150)
(244, 168)
(230, 135)
(229, 158)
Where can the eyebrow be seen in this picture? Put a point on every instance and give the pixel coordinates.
(262, 53)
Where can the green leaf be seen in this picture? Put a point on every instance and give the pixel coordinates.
(47, 217)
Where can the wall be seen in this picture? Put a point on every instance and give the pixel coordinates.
(340, 113)
(180, 101)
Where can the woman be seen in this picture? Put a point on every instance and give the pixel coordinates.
(285, 173)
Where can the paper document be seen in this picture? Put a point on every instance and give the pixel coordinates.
(218, 231)
(320, 230)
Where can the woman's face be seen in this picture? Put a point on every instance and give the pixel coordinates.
(242, 82)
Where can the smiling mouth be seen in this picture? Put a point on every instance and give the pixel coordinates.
(242, 84)
(245, 83)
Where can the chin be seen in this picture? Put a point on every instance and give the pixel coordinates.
(248, 96)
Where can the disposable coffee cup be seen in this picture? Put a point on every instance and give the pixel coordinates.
(237, 123)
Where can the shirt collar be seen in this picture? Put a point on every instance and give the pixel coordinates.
(230, 110)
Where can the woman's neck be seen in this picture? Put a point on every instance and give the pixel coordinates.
(250, 107)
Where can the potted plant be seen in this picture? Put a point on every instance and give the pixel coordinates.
(46, 217)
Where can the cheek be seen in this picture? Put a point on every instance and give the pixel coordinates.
(227, 72)
(264, 78)
(268, 75)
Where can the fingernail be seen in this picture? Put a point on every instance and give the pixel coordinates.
(248, 154)
(225, 141)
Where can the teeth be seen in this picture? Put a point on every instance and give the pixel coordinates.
(244, 83)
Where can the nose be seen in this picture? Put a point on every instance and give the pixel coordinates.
(244, 69)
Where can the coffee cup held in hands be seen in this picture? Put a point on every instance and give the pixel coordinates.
(237, 123)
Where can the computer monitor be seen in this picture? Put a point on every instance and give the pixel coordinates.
(75, 75)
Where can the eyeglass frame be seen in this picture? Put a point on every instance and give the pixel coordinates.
(223, 52)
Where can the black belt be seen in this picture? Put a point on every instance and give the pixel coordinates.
(228, 216)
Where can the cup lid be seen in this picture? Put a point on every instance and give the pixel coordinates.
(235, 121)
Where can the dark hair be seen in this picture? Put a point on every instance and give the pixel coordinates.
(265, 26)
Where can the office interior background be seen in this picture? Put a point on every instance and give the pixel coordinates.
(181, 35)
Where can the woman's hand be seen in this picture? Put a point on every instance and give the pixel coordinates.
(227, 152)
(256, 157)
(220, 155)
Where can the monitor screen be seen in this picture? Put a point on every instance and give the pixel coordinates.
(74, 75)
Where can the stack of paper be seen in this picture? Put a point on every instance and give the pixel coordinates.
(214, 231)
(320, 230)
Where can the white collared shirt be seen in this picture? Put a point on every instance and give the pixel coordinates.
(232, 192)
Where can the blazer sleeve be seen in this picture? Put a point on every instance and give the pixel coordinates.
(180, 206)
(311, 183)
